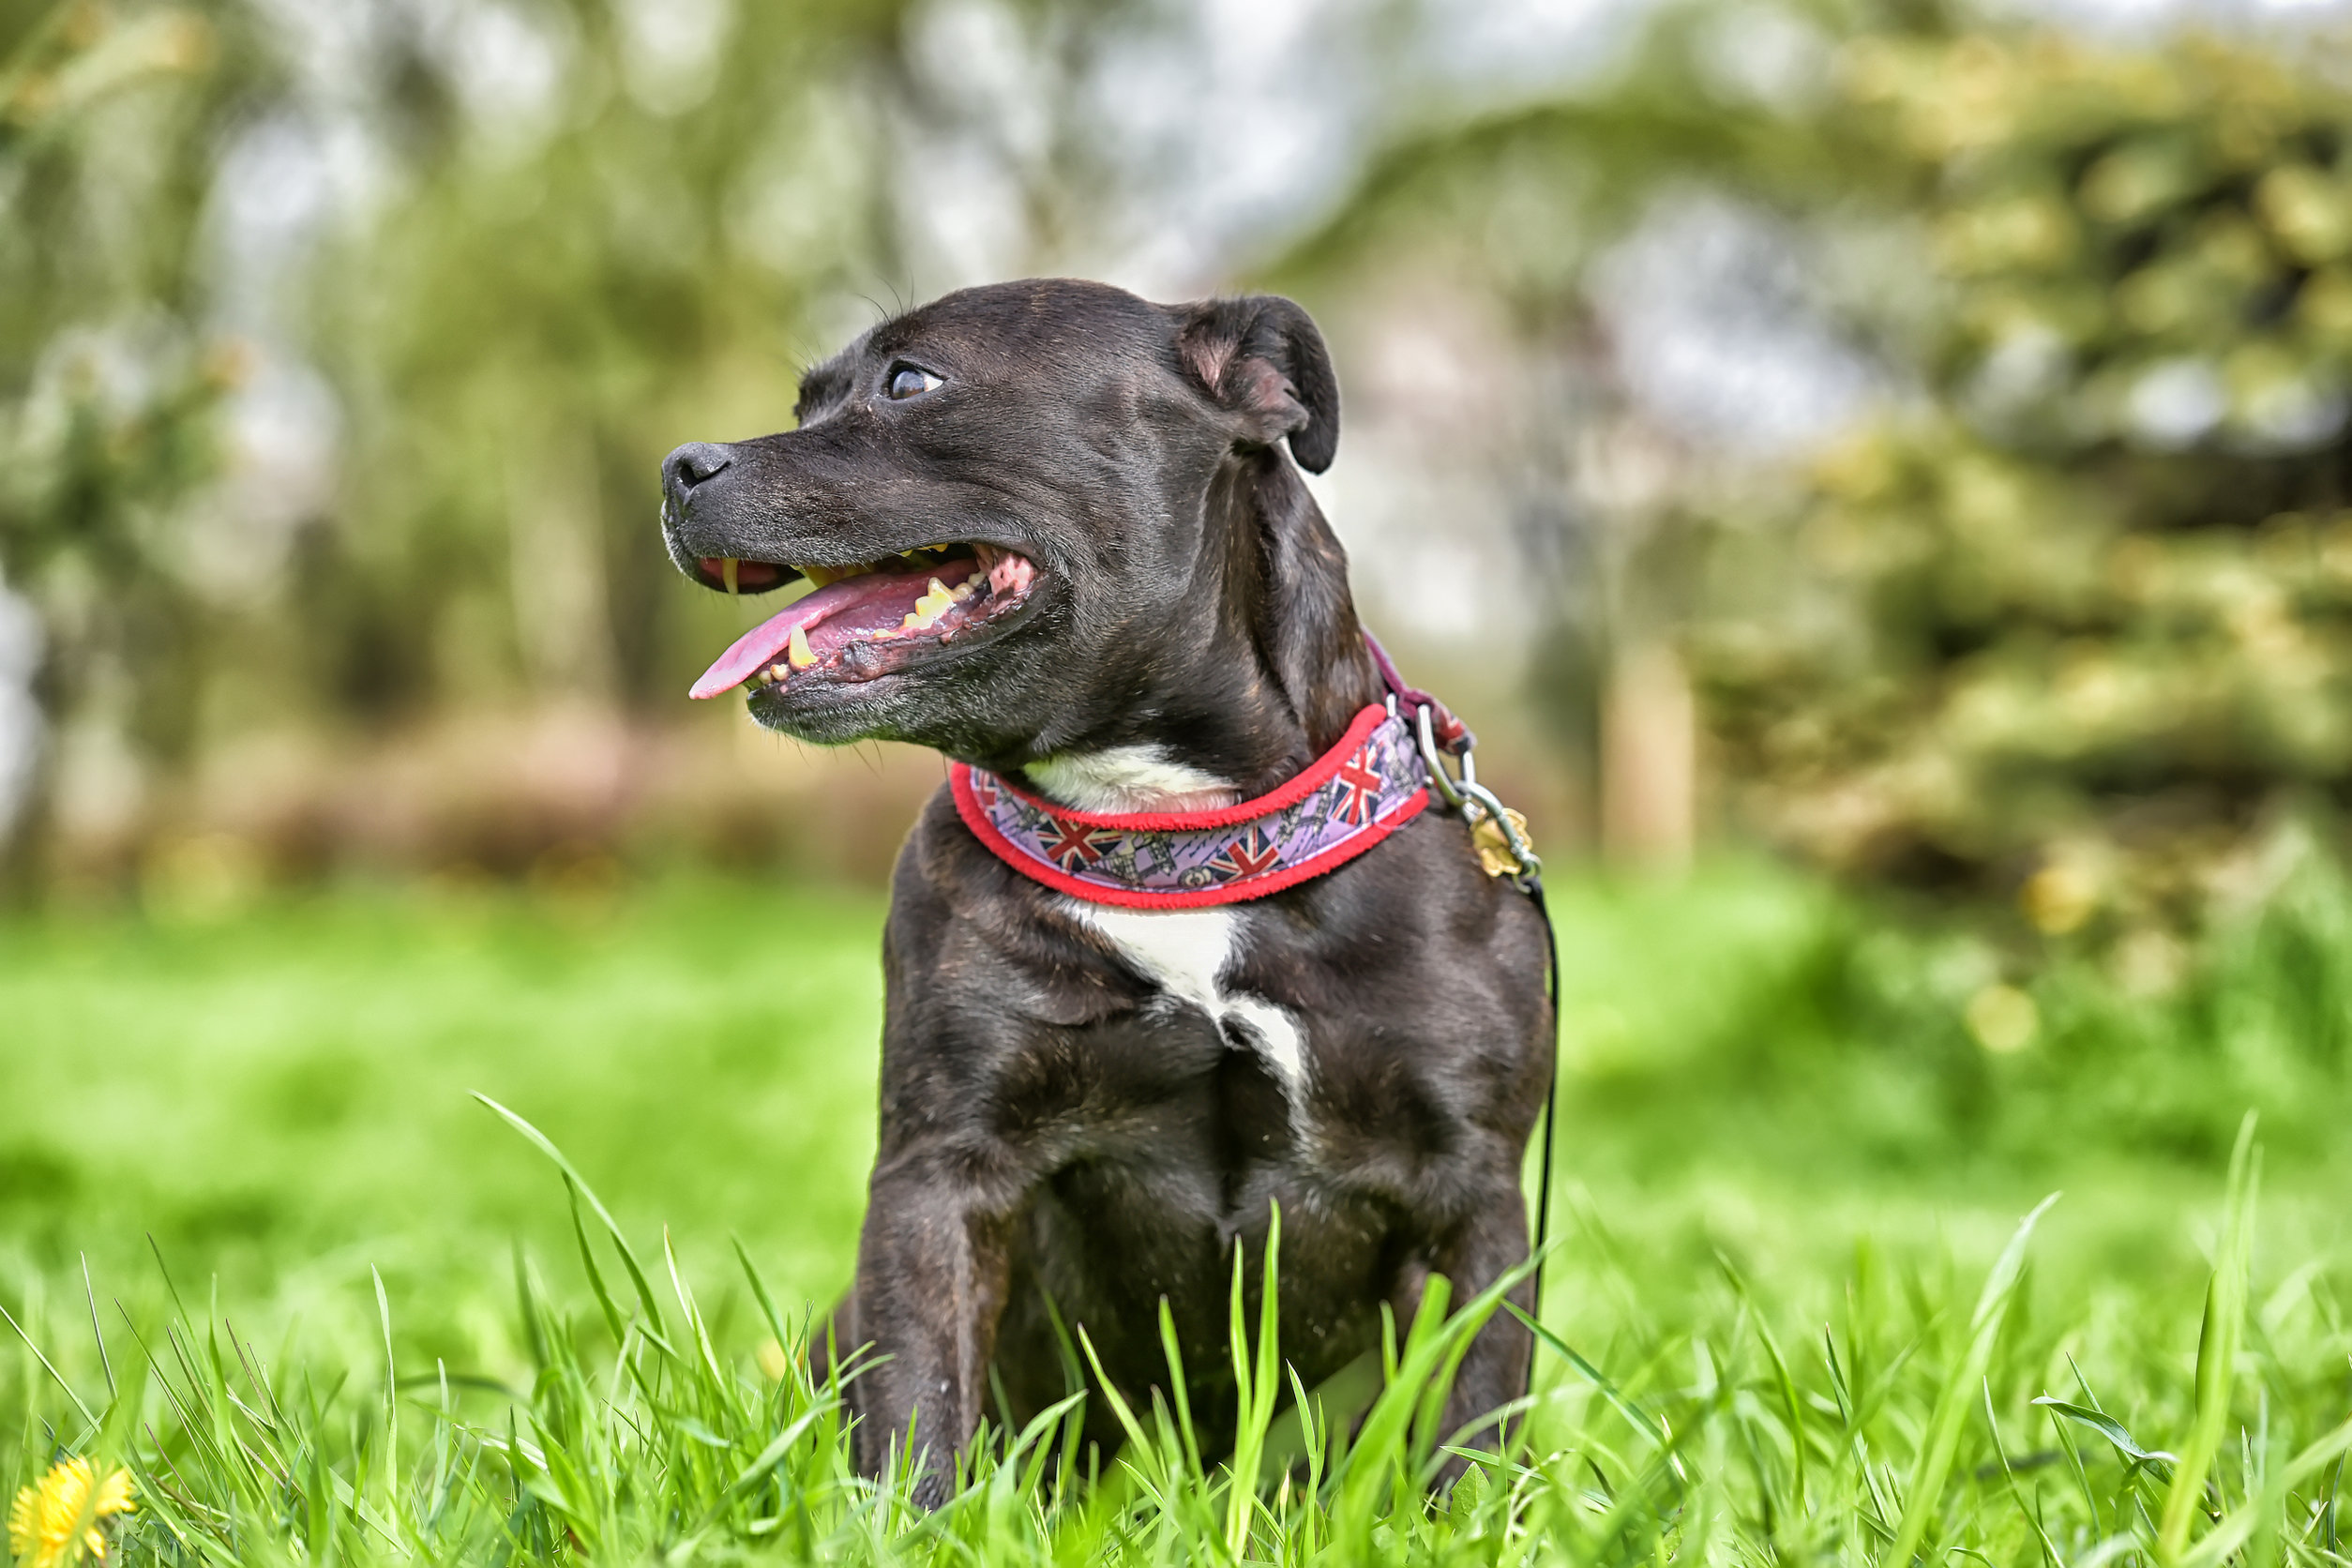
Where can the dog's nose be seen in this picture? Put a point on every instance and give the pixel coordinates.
(698, 462)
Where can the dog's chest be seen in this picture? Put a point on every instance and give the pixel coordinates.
(1188, 953)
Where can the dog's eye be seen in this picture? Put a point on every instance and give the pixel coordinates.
(908, 382)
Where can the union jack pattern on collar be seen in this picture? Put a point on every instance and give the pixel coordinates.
(1352, 796)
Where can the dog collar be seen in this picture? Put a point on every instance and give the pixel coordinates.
(1353, 796)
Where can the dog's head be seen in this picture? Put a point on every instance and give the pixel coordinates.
(1029, 509)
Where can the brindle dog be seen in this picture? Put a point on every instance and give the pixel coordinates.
(1060, 539)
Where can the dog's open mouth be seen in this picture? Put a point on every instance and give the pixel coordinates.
(843, 630)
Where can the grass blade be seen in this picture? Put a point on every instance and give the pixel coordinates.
(2217, 1349)
(541, 1142)
(1925, 1493)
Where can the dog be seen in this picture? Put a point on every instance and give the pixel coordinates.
(1056, 537)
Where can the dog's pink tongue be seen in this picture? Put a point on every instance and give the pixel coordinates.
(764, 642)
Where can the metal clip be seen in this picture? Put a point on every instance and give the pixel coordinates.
(1475, 800)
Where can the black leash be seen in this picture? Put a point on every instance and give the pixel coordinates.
(1532, 884)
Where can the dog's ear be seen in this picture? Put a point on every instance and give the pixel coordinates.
(1261, 359)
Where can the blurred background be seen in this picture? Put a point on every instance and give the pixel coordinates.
(1876, 473)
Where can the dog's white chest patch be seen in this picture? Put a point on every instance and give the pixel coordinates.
(1127, 778)
(1185, 953)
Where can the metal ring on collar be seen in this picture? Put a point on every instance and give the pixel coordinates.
(1465, 794)
(1431, 755)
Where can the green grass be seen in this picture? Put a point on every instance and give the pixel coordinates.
(294, 1085)
(1787, 1175)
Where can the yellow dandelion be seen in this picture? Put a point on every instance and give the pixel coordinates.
(41, 1525)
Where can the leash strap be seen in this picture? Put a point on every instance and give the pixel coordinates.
(1451, 732)
(1532, 885)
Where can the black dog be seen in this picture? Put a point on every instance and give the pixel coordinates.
(1084, 1109)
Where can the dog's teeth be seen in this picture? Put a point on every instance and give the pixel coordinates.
(930, 607)
(778, 674)
(971, 585)
(798, 651)
(727, 566)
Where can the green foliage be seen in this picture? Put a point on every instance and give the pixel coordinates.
(1826, 1011)
(522, 332)
(109, 379)
(2066, 615)
(526, 264)
(2074, 626)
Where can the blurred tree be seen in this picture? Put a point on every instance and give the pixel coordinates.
(107, 373)
(562, 292)
(337, 349)
(2083, 613)
(2065, 616)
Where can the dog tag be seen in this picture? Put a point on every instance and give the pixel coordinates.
(1494, 850)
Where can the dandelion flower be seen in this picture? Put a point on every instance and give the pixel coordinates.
(40, 1526)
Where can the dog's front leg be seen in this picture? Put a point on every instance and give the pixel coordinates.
(931, 1268)
(1472, 1255)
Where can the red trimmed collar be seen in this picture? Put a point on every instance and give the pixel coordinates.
(1348, 800)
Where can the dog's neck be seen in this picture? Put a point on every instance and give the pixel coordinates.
(1258, 670)
(1136, 777)
(1192, 745)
